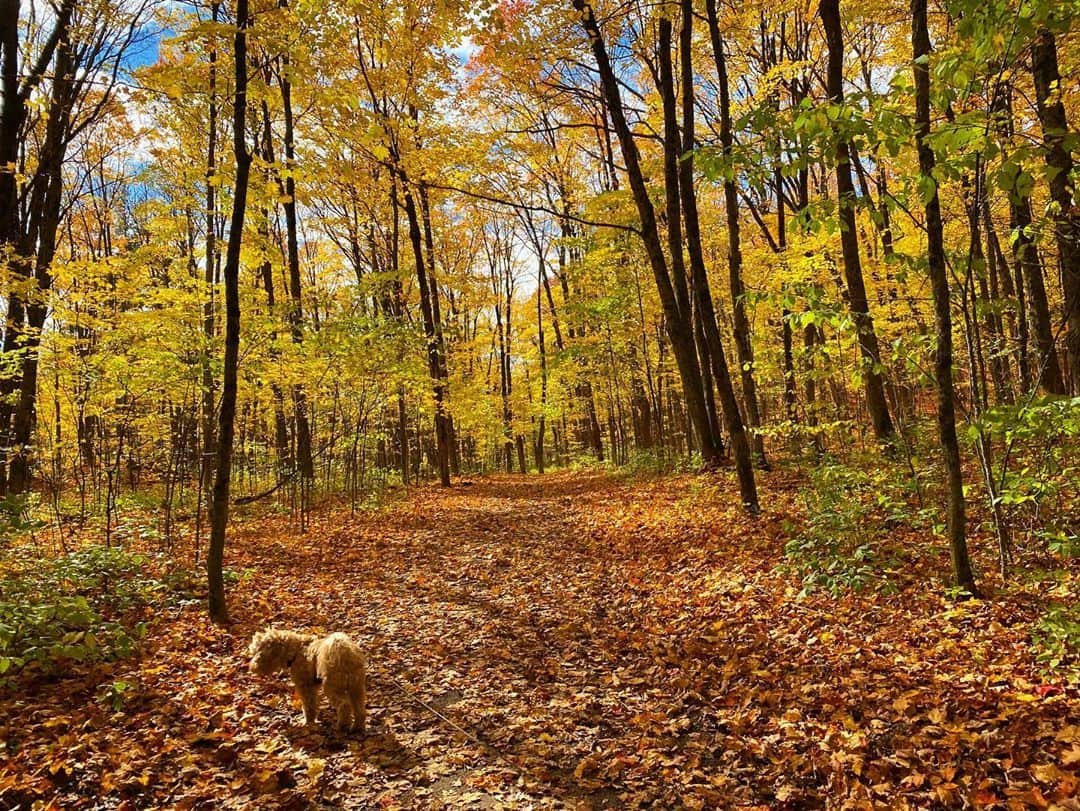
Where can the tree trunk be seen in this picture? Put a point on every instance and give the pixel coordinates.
(304, 459)
(790, 398)
(541, 422)
(435, 365)
(939, 279)
(18, 239)
(281, 426)
(1038, 308)
(829, 11)
(39, 236)
(677, 322)
(744, 350)
(1066, 213)
(447, 421)
(219, 515)
(1000, 293)
(206, 470)
(740, 442)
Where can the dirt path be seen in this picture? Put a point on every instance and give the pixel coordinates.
(601, 644)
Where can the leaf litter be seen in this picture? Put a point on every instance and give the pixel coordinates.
(572, 641)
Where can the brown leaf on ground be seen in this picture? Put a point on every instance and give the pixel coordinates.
(566, 641)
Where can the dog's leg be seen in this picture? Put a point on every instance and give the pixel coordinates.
(344, 716)
(309, 697)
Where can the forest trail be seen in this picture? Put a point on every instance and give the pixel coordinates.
(605, 643)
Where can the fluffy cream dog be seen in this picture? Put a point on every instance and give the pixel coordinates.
(333, 663)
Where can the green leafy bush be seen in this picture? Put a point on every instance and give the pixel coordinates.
(650, 464)
(1057, 640)
(1039, 438)
(838, 547)
(14, 516)
(74, 608)
(1060, 541)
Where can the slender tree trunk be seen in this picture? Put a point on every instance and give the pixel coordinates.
(672, 148)
(677, 322)
(304, 459)
(707, 378)
(541, 422)
(939, 279)
(206, 469)
(281, 426)
(440, 336)
(1000, 293)
(812, 338)
(740, 323)
(435, 368)
(829, 11)
(219, 515)
(403, 434)
(740, 442)
(991, 322)
(1038, 307)
(790, 398)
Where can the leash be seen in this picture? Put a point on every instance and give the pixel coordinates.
(412, 696)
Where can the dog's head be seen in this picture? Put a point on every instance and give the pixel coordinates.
(268, 652)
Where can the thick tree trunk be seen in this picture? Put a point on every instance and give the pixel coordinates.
(1055, 127)
(219, 514)
(33, 243)
(829, 11)
(12, 117)
(939, 279)
(44, 226)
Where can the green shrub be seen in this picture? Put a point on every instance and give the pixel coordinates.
(15, 517)
(1057, 640)
(1040, 442)
(839, 546)
(1060, 541)
(651, 463)
(75, 608)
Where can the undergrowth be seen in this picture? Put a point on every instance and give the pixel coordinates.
(646, 464)
(84, 606)
(839, 546)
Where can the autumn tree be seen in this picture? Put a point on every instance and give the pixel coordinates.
(71, 74)
(939, 281)
(219, 516)
(829, 11)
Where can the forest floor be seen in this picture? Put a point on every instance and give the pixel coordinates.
(567, 641)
